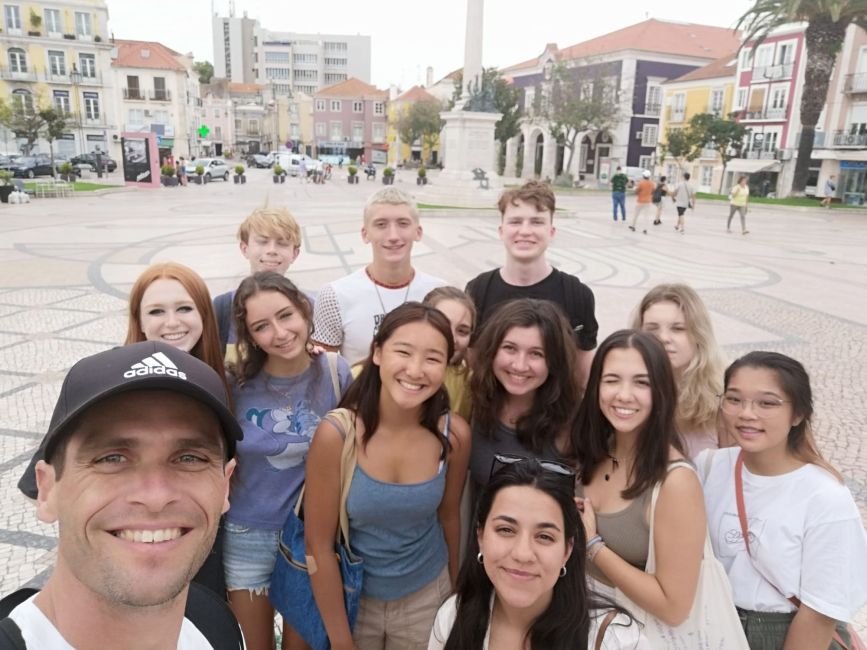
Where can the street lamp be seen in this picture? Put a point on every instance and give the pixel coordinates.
(75, 79)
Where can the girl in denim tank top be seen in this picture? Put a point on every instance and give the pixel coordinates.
(405, 495)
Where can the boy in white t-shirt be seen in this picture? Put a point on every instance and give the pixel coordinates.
(348, 311)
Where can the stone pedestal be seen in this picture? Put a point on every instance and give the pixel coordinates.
(468, 139)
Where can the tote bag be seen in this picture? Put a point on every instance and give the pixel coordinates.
(713, 621)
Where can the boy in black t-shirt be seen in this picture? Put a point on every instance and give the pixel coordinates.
(526, 230)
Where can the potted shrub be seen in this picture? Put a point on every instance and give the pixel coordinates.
(353, 174)
(167, 176)
(35, 23)
(97, 39)
(69, 37)
(239, 175)
(422, 176)
(6, 186)
(200, 172)
(388, 176)
(279, 174)
(67, 173)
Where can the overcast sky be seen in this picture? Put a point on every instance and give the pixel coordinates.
(409, 35)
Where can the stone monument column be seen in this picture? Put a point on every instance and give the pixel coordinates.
(473, 48)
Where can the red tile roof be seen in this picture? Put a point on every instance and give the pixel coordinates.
(415, 94)
(352, 87)
(244, 88)
(660, 36)
(725, 66)
(146, 54)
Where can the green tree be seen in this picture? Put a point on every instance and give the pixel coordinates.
(684, 145)
(578, 100)
(205, 70)
(827, 21)
(54, 124)
(23, 121)
(723, 134)
(421, 122)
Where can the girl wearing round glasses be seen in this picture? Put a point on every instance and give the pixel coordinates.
(523, 583)
(626, 439)
(801, 538)
(524, 388)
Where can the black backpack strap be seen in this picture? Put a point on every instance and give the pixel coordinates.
(14, 599)
(478, 290)
(223, 311)
(10, 635)
(213, 618)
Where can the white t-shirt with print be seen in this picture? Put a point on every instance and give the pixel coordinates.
(348, 311)
(39, 632)
(805, 534)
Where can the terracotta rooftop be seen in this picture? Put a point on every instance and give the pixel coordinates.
(725, 66)
(352, 87)
(146, 54)
(415, 94)
(664, 37)
(244, 88)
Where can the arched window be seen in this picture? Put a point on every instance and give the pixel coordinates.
(22, 99)
(17, 60)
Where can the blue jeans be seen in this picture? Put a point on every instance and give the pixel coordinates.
(619, 199)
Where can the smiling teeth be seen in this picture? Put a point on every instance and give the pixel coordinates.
(149, 536)
(174, 336)
(410, 386)
(624, 411)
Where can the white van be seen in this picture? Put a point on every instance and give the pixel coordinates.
(291, 163)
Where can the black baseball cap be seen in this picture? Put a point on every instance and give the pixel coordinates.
(149, 365)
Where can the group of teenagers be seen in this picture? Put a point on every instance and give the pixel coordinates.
(511, 477)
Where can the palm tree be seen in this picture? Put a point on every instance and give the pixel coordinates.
(827, 21)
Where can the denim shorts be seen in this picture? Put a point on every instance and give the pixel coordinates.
(249, 555)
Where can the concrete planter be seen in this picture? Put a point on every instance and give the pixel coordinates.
(169, 181)
(240, 178)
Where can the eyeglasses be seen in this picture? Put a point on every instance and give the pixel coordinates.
(503, 460)
(763, 407)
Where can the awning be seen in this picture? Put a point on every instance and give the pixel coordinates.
(839, 154)
(752, 165)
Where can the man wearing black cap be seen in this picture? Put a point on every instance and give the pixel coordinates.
(136, 469)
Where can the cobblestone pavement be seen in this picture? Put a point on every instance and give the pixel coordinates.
(796, 284)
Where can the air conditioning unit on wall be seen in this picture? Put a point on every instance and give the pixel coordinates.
(784, 154)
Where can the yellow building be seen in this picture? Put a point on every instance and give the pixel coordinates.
(399, 151)
(709, 89)
(59, 53)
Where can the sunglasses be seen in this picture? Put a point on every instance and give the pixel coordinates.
(503, 460)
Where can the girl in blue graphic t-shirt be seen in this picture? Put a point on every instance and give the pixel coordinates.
(280, 392)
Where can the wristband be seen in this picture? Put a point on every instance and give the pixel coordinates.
(593, 540)
(591, 554)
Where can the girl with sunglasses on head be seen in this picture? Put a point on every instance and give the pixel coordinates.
(676, 315)
(627, 444)
(524, 387)
(280, 391)
(782, 521)
(523, 583)
(404, 498)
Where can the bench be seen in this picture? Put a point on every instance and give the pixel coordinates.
(480, 175)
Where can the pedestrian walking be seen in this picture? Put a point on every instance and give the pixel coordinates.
(643, 204)
(739, 198)
(302, 170)
(618, 193)
(683, 197)
(182, 172)
(662, 190)
(830, 190)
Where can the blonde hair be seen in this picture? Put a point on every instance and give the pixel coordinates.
(271, 222)
(390, 195)
(438, 295)
(700, 383)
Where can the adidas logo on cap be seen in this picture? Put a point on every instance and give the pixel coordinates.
(155, 364)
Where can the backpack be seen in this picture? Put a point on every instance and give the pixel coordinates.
(207, 611)
(223, 312)
(657, 193)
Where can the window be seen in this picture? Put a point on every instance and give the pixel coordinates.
(216, 113)
(336, 106)
(358, 131)
(339, 63)
(13, 18)
(57, 63)
(253, 126)
(83, 29)
(277, 73)
(529, 98)
(378, 132)
(320, 104)
(336, 132)
(161, 117)
(17, 60)
(136, 116)
(778, 98)
(746, 59)
(706, 176)
(771, 140)
(237, 124)
(654, 100)
(648, 135)
(335, 47)
(160, 92)
(334, 77)
(91, 106)
(785, 53)
(740, 99)
(218, 133)
(308, 75)
(717, 101)
(52, 21)
(357, 106)
(87, 65)
(678, 105)
(294, 131)
(276, 57)
(645, 162)
(763, 57)
(320, 129)
(304, 58)
(61, 101)
(378, 108)
(132, 88)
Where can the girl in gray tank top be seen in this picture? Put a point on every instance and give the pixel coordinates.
(404, 499)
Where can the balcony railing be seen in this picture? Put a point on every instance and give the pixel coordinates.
(761, 155)
(652, 109)
(708, 154)
(778, 71)
(676, 115)
(770, 114)
(133, 93)
(160, 95)
(845, 139)
(856, 83)
(17, 75)
(91, 80)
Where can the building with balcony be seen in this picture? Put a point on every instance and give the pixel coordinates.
(709, 89)
(245, 52)
(157, 91)
(629, 66)
(59, 53)
(350, 119)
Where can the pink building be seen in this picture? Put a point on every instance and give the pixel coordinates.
(350, 120)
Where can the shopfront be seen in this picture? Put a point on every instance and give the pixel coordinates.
(853, 182)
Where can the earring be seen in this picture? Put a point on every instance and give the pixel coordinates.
(562, 570)
(480, 558)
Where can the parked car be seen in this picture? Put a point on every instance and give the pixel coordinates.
(77, 167)
(260, 160)
(90, 159)
(214, 168)
(31, 166)
(5, 163)
(291, 163)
